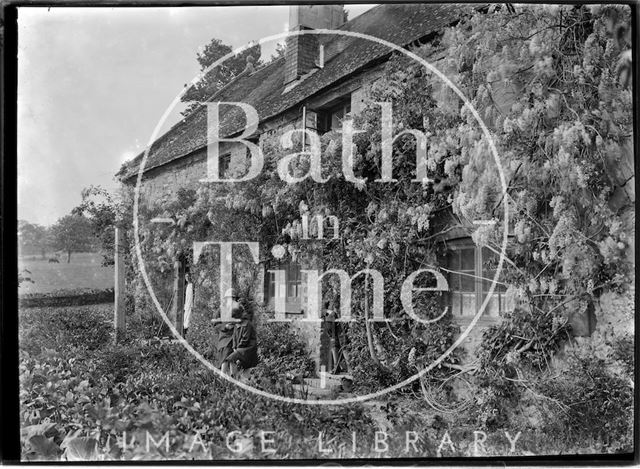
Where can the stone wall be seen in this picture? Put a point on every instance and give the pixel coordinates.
(166, 180)
(187, 172)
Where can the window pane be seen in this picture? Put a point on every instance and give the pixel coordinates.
(456, 304)
(454, 282)
(453, 262)
(293, 273)
(467, 259)
(293, 280)
(335, 121)
(463, 282)
(272, 285)
(468, 304)
(467, 281)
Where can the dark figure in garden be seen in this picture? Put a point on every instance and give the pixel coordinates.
(223, 338)
(337, 335)
(245, 341)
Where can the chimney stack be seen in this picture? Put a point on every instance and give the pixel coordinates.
(303, 52)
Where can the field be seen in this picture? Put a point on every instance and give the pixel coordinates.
(84, 271)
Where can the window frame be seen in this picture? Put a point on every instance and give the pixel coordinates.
(479, 269)
(293, 277)
(325, 116)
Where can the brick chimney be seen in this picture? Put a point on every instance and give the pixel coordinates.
(302, 51)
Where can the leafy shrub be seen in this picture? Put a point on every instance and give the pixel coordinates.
(402, 347)
(590, 402)
(77, 403)
(623, 351)
(281, 350)
(84, 327)
(524, 339)
(523, 343)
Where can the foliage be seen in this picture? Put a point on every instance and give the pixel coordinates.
(216, 78)
(525, 339)
(521, 345)
(403, 348)
(281, 350)
(78, 403)
(71, 395)
(62, 329)
(279, 53)
(592, 397)
(33, 238)
(543, 80)
(568, 115)
(72, 233)
(104, 209)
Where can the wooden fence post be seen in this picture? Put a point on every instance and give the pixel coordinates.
(178, 288)
(119, 290)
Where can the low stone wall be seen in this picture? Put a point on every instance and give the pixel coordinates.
(66, 298)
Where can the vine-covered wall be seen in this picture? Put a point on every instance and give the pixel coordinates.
(545, 81)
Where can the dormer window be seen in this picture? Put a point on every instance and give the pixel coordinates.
(331, 118)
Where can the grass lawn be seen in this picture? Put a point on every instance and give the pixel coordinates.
(84, 271)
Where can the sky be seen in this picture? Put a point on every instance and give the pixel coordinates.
(94, 82)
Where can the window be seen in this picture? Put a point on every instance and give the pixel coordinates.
(291, 290)
(471, 272)
(332, 117)
(224, 163)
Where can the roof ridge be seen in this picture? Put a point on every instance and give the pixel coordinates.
(241, 75)
(352, 20)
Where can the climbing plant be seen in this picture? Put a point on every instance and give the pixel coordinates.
(547, 82)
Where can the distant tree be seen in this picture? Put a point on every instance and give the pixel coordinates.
(33, 238)
(281, 49)
(73, 233)
(104, 209)
(99, 206)
(219, 76)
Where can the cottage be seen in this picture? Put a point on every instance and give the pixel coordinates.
(318, 82)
